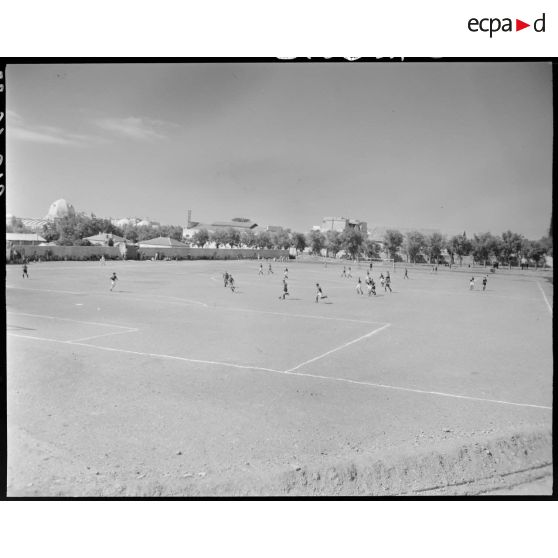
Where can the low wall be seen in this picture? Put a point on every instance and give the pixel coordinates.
(187, 253)
(64, 252)
(133, 252)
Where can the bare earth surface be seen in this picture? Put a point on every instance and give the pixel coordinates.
(173, 385)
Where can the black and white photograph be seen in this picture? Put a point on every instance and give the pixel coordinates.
(279, 278)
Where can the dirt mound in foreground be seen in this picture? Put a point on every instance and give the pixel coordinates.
(474, 468)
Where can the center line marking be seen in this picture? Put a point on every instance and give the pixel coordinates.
(338, 348)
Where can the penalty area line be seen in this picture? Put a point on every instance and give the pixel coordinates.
(413, 390)
(373, 332)
(140, 353)
(291, 372)
(102, 324)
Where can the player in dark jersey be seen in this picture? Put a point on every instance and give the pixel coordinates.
(285, 290)
(371, 287)
(319, 293)
(25, 274)
(113, 280)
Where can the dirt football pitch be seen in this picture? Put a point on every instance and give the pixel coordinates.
(173, 385)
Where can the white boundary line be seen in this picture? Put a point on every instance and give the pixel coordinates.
(290, 372)
(44, 290)
(105, 324)
(412, 390)
(311, 316)
(545, 299)
(131, 330)
(153, 355)
(377, 330)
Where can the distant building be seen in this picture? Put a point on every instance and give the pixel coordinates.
(273, 228)
(161, 242)
(339, 224)
(57, 210)
(192, 227)
(60, 209)
(102, 239)
(134, 221)
(148, 223)
(24, 239)
(29, 223)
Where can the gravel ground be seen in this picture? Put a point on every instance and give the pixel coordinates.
(173, 385)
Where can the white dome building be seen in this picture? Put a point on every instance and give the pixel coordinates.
(59, 209)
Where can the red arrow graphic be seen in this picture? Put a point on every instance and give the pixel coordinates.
(519, 25)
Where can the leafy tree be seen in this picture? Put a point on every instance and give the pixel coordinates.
(50, 232)
(282, 240)
(546, 243)
(333, 242)
(220, 237)
(130, 233)
(200, 238)
(460, 246)
(434, 246)
(171, 231)
(316, 240)
(233, 237)
(264, 240)
(535, 251)
(299, 241)
(415, 243)
(371, 248)
(147, 232)
(511, 245)
(482, 246)
(248, 238)
(352, 241)
(393, 239)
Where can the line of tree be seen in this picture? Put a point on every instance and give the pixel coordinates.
(509, 248)
(74, 230)
(234, 239)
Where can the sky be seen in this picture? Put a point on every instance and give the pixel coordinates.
(448, 146)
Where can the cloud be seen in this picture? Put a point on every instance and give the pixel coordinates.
(142, 129)
(17, 128)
